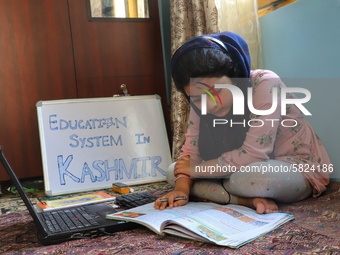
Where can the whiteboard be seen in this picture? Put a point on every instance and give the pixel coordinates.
(88, 144)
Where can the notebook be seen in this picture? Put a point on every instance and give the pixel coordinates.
(68, 224)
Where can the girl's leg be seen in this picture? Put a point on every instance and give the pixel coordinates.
(253, 189)
(211, 190)
(214, 191)
(270, 179)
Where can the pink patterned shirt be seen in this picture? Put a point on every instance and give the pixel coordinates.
(296, 145)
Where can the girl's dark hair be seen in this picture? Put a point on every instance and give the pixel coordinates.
(211, 62)
(202, 62)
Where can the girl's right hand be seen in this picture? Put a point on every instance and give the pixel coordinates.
(186, 166)
(171, 203)
(182, 166)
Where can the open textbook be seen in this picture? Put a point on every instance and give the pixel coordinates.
(225, 225)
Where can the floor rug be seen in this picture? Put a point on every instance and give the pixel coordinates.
(315, 230)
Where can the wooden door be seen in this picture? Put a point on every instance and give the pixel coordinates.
(49, 49)
(36, 63)
(109, 53)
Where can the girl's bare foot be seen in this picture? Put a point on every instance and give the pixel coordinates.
(262, 205)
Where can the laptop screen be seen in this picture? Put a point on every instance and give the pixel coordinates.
(19, 188)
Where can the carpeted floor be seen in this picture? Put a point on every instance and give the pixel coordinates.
(315, 230)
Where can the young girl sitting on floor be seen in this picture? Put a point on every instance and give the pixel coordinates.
(251, 160)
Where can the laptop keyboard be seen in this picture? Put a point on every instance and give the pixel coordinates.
(131, 200)
(68, 219)
(78, 218)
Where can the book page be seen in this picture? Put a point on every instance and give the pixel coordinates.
(230, 225)
(155, 219)
(177, 230)
(227, 225)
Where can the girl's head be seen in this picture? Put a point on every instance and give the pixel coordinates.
(196, 67)
(213, 55)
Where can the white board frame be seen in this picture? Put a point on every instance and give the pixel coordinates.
(88, 144)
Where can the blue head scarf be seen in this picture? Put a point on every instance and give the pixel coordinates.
(232, 44)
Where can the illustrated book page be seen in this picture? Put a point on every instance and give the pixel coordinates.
(226, 225)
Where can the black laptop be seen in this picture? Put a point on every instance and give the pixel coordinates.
(68, 224)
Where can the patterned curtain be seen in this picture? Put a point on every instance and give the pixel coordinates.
(240, 16)
(190, 18)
